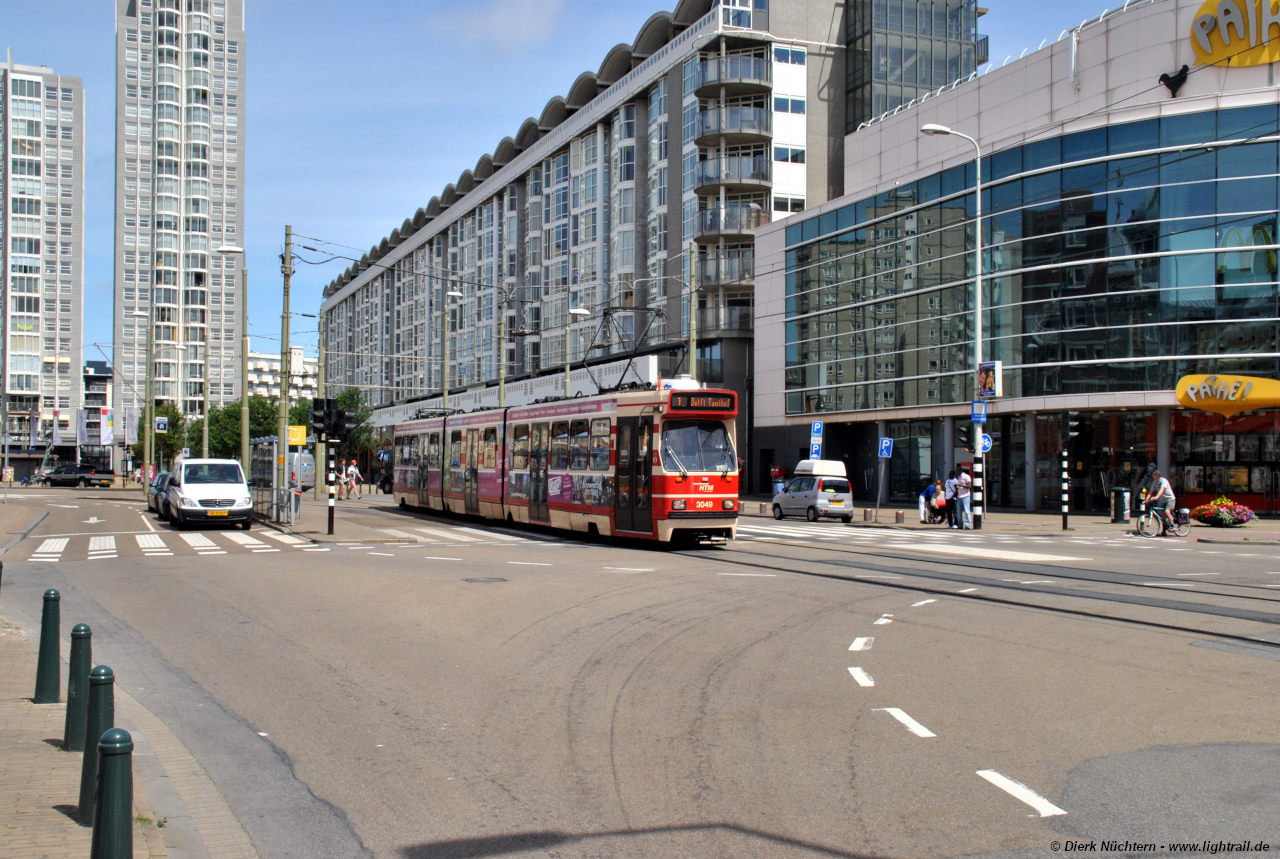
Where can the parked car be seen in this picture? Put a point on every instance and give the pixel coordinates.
(207, 490)
(78, 475)
(155, 492)
(819, 489)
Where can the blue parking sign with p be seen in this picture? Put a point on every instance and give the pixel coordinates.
(815, 451)
(886, 448)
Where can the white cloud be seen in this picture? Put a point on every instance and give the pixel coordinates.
(508, 24)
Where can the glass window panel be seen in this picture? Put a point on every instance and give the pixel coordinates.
(1084, 145)
(1133, 136)
(1245, 122)
(1042, 153)
(1187, 191)
(1247, 195)
(1187, 128)
(1002, 164)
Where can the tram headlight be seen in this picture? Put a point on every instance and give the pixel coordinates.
(727, 504)
(678, 504)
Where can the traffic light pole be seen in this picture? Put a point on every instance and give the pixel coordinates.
(333, 487)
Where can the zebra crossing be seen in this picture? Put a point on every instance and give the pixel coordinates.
(454, 534)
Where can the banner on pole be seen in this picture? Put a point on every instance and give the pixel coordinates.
(57, 434)
(33, 428)
(131, 418)
(82, 426)
(107, 427)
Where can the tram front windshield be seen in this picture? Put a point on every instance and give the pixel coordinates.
(695, 445)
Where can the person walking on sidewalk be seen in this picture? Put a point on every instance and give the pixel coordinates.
(353, 480)
(949, 490)
(341, 477)
(963, 513)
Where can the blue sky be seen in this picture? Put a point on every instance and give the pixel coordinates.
(359, 113)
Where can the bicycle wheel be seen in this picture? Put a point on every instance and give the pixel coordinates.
(1148, 525)
(1181, 530)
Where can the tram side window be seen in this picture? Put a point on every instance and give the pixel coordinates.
(580, 450)
(433, 450)
(402, 450)
(520, 447)
(560, 445)
(455, 449)
(600, 444)
(490, 448)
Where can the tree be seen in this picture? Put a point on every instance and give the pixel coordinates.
(224, 425)
(361, 437)
(170, 444)
(300, 414)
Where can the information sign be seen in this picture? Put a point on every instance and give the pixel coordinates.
(986, 443)
(979, 412)
(886, 448)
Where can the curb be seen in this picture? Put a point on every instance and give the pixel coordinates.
(22, 535)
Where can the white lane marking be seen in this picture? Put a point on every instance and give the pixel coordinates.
(244, 539)
(358, 547)
(265, 550)
(922, 602)
(1210, 552)
(305, 549)
(404, 535)
(863, 678)
(287, 539)
(1246, 554)
(147, 522)
(383, 554)
(1167, 584)
(198, 541)
(991, 554)
(102, 544)
(1195, 574)
(862, 643)
(434, 558)
(753, 575)
(66, 506)
(911, 724)
(967, 590)
(1030, 581)
(887, 619)
(1271, 586)
(877, 577)
(52, 559)
(489, 535)
(445, 535)
(631, 569)
(1022, 793)
(150, 541)
(529, 563)
(52, 547)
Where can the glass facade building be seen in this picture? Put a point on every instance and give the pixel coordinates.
(1124, 246)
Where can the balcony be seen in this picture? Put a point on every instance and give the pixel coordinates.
(724, 319)
(735, 173)
(737, 75)
(733, 124)
(733, 221)
(726, 271)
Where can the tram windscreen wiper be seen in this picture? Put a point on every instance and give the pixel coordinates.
(684, 472)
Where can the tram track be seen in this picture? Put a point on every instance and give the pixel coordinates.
(767, 561)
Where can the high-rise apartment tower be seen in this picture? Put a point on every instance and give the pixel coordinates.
(179, 197)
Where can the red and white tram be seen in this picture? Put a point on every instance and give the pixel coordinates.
(650, 464)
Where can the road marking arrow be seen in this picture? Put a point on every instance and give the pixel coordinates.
(92, 520)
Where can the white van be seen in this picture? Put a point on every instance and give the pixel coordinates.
(819, 488)
(207, 490)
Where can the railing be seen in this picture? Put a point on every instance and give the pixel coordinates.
(725, 319)
(733, 120)
(735, 218)
(717, 271)
(732, 170)
(731, 70)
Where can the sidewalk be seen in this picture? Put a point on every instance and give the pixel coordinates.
(354, 521)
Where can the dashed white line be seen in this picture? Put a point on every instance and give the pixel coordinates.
(529, 563)
(911, 724)
(1195, 574)
(1022, 793)
(967, 590)
(1167, 584)
(863, 678)
(922, 602)
(862, 643)
(435, 558)
(877, 577)
(888, 618)
(752, 575)
(630, 569)
(383, 554)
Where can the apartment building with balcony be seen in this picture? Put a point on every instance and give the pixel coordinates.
(41, 247)
(636, 191)
(264, 375)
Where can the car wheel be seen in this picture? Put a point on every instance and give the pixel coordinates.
(246, 524)
(846, 519)
(176, 519)
(811, 514)
(82, 483)
(777, 512)
(161, 511)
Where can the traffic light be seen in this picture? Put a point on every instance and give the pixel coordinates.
(1069, 424)
(319, 416)
(338, 424)
(964, 438)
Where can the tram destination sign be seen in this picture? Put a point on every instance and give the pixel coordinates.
(701, 401)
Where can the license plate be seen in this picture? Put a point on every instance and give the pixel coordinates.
(837, 503)
(217, 512)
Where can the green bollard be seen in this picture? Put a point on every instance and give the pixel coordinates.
(48, 675)
(78, 688)
(100, 718)
(113, 808)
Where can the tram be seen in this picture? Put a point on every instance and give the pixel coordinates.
(648, 464)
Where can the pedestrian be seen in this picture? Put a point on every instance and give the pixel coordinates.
(949, 491)
(1161, 498)
(926, 503)
(341, 478)
(353, 480)
(964, 513)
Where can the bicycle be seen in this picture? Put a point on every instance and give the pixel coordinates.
(1153, 524)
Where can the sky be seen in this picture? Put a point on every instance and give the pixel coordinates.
(360, 113)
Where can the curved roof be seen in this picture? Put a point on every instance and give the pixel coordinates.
(484, 168)
(553, 114)
(585, 88)
(449, 195)
(655, 33)
(420, 219)
(434, 207)
(466, 182)
(616, 64)
(690, 11)
(528, 133)
(505, 152)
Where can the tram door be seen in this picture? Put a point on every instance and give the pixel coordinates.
(471, 474)
(538, 450)
(633, 500)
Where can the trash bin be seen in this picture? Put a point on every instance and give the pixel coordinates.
(779, 486)
(1120, 505)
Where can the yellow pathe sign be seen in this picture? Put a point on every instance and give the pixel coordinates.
(1237, 32)
(1227, 395)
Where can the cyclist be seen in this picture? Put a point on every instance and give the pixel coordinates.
(1161, 498)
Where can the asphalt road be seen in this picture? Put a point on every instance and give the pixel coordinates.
(807, 691)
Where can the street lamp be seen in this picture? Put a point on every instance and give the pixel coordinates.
(451, 295)
(227, 251)
(931, 129)
(574, 313)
